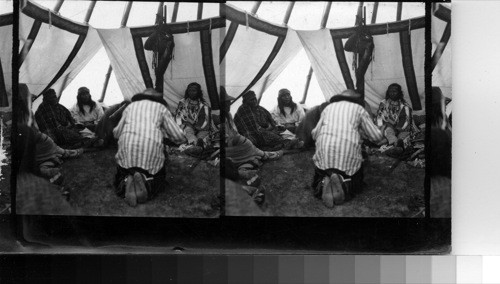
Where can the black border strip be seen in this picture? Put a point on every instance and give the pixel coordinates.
(67, 63)
(411, 82)
(182, 27)
(6, 19)
(237, 16)
(231, 32)
(141, 59)
(440, 48)
(270, 59)
(29, 42)
(341, 59)
(208, 68)
(42, 14)
(380, 29)
(4, 99)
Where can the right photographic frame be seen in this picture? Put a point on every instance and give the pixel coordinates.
(327, 110)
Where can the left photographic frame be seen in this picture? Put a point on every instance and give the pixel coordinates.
(118, 111)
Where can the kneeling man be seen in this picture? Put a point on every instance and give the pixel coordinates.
(338, 135)
(140, 157)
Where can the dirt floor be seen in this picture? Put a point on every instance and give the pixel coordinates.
(192, 191)
(397, 192)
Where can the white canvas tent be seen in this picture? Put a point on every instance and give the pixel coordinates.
(398, 55)
(55, 49)
(6, 25)
(257, 50)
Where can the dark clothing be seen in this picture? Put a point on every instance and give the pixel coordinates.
(56, 121)
(309, 123)
(251, 123)
(153, 186)
(49, 117)
(357, 180)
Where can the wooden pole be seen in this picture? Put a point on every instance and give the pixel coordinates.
(324, 20)
(285, 22)
(374, 14)
(90, 10)
(360, 78)
(175, 12)
(200, 11)
(288, 12)
(255, 7)
(126, 14)
(159, 13)
(58, 5)
(399, 11)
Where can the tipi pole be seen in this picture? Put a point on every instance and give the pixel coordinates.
(58, 5)
(288, 12)
(255, 7)
(175, 12)
(126, 14)
(90, 10)
(324, 20)
(374, 14)
(200, 11)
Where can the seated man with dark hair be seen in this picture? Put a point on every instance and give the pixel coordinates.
(394, 117)
(193, 116)
(56, 121)
(86, 111)
(256, 123)
(287, 112)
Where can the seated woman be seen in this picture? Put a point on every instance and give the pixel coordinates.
(394, 117)
(193, 116)
(287, 112)
(86, 111)
(256, 123)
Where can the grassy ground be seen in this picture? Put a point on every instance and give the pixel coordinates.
(192, 192)
(388, 193)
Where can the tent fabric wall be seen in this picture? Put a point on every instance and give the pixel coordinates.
(57, 59)
(441, 75)
(255, 54)
(6, 25)
(248, 55)
(185, 67)
(386, 68)
(321, 52)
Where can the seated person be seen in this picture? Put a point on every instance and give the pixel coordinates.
(238, 148)
(56, 121)
(287, 112)
(338, 136)
(256, 123)
(145, 122)
(394, 116)
(193, 116)
(86, 111)
(47, 156)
